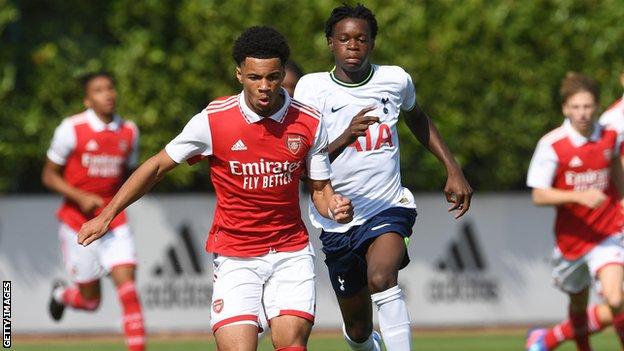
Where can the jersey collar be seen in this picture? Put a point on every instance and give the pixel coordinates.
(577, 138)
(98, 125)
(333, 77)
(253, 117)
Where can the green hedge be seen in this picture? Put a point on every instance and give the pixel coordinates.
(486, 71)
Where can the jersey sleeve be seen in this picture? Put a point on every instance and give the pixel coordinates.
(194, 140)
(63, 143)
(409, 94)
(133, 159)
(305, 92)
(543, 167)
(317, 160)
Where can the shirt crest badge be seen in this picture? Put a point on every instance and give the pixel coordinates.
(293, 142)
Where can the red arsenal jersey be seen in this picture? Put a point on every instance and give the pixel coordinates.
(95, 157)
(566, 160)
(255, 165)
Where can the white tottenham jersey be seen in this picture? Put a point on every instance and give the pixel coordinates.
(368, 171)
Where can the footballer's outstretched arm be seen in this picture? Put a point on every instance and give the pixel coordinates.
(591, 198)
(457, 190)
(137, 185)
(328, 203)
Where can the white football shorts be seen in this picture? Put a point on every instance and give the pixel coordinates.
(574, 276)
(88, 263)
(280, 282)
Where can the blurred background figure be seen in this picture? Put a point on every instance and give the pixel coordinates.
(88, 159)
(293, 74)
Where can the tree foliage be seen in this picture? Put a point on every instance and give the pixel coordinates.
(486, 71)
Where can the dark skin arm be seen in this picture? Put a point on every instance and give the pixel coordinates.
(357, 128)
(457, 190)
(52, 178)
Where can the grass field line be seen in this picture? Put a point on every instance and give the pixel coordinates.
(319, 333)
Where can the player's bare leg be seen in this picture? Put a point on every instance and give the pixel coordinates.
(611, 278)
(357, 314)
(237, 337)
(290, 332)
(134, 329)
(384, 258)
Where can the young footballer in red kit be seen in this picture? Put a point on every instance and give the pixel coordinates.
(258, 144)
(87, 161)
(577, 169)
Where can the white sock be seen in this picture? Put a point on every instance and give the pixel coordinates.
(394, 320)
(369, 345)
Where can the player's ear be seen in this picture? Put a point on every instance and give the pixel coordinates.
(330, 44)
(239, 74)
(86, 102)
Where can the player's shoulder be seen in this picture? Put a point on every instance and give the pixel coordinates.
(391, 69)
(304, 110)
(391, 72)
(221, 104)
(130, 125)
(75, 120)
(554, 136)
(315, 78)
(614, 115)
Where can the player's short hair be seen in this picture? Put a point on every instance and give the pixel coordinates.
(294, 67)
(85, 79)
(260, 42)
(575, 83)
(347, 11)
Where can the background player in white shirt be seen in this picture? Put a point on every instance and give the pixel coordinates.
(255, 264)
(365, 255)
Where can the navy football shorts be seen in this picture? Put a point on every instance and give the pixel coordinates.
(345, 253)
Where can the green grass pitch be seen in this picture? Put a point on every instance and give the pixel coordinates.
(428, 341)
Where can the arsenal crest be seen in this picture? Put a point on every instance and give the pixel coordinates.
(217, 305)
(293, 142)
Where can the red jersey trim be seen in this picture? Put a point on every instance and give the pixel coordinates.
(218, 103)
(297, 313)
(311, 111)
(220, 108)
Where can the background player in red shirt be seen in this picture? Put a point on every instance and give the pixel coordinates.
(257, 143)
(87, 161)
(576, 168)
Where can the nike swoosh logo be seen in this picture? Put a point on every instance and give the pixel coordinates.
(333, 109)
(380, 226)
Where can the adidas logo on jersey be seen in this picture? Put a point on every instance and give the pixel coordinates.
(92, 145)
(575, 162)
(239, 146)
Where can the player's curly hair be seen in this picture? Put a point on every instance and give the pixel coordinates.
(347, 11)
(575, 83)
(86, 78)
(260, 42)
